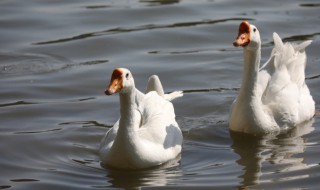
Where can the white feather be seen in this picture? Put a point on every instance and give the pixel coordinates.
(146, 134)
(279, 97)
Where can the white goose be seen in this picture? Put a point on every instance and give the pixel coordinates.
(274, 97)
(147, 133)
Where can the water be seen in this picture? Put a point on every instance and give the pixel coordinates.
(56, 58)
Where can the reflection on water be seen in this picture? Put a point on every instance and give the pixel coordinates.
(135, 179)
(276, 149)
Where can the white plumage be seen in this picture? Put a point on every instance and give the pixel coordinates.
(147, 133)
(275, 96)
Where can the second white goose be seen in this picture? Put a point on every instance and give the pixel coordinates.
(275, 96)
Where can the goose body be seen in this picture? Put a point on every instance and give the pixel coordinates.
(147, 133)
(275, 96)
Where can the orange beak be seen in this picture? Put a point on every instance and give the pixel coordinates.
(115, 83)
(243, 38)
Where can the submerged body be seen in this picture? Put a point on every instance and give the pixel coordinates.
(275, 96)
(147, 133)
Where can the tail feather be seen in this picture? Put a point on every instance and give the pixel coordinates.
(277, 42)
(154, 84)
(291, 57)
(301, 47)
(173, 95)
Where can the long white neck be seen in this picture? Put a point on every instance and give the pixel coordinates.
(250, 74)
(129, 121)
(127, 109)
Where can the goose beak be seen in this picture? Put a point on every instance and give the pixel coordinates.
(115, 83)
(108, 92)
(114, 87)
(243, 38)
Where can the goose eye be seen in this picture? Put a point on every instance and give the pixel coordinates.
(254, 30)
(127, 75)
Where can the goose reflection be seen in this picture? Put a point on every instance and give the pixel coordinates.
(269, 154)
(135, 179)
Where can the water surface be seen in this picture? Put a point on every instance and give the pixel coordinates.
(56, 58)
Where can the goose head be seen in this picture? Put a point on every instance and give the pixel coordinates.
(121, 81)
(248, 36)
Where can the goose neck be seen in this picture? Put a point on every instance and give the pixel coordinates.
(251, 71)
(127, 102)
(130, 117)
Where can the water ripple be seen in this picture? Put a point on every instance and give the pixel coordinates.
(24, 180)
(313, 77)
(97, 6)
(5, 186)
(41, 131)
(30, 63)
(17, 103)
(86, 124)
(310, 5)
(301, 37)
(139, 28)
(210, 90)
(94, 62)
(159, 2)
